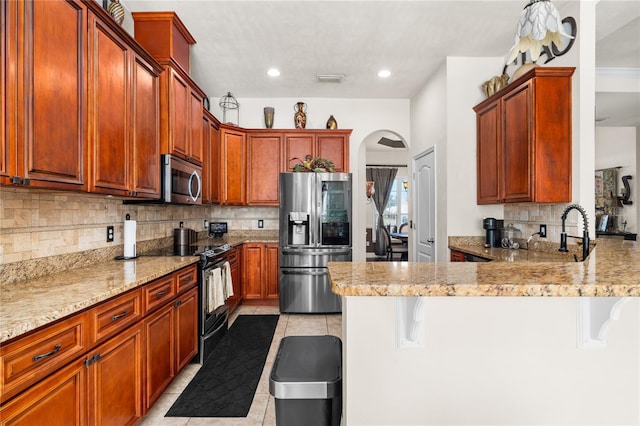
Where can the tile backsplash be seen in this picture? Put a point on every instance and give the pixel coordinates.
(39, 223)
(527, 217)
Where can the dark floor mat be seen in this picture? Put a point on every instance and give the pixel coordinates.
(227, 381)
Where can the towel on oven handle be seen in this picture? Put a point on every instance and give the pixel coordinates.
(215, 291)
(228, 281)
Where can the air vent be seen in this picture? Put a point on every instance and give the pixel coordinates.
(391, 143)
(330, 78)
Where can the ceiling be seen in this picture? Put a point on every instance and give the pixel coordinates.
(238, 41)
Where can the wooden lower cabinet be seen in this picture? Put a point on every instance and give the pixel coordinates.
(260, 273)
(457, 256)
(172, 342)
(233, 256)
(115, 376)
(160, 355)
(61, 399)
(102, 388)
(186, 327)
(59, 379)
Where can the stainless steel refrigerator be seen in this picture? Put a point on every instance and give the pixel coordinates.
(315, 228)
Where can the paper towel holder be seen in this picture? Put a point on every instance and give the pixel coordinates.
(123, 257)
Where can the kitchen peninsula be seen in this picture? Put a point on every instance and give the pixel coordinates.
(475, 351)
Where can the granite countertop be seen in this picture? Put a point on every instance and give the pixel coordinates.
(611, 270)
(28, 304)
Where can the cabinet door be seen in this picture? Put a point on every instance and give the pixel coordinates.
(516, 145)
(233, 257)
(186, 328)
(8, 37)
(296, 147)
(271, 271)
(160, 353)
(195, 153)
(489, 146)
(115, 379)
(58, 400)
(109, 59)
(252, 271)
(146, 130)
(334, 148)
(53, 117)
(263, 167)
(179, 104)
(233, 167)
(214, 163)
(457, 256)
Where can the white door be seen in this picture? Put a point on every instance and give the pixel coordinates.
(424, 225)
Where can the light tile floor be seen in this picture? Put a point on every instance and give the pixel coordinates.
(262, 410)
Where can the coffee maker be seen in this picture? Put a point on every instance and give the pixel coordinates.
(493, 231)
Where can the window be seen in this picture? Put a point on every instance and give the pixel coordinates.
(397, 210)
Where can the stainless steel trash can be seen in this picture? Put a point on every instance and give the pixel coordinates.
(306, 381)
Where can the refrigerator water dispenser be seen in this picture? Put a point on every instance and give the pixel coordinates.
(298, 233)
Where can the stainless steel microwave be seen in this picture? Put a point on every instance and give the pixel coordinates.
(181, 181)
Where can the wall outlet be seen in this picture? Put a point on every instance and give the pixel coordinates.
(110, 233)
(260, 223)
(543, 231)
(206, 224)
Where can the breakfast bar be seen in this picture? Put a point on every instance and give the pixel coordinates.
(529, 338)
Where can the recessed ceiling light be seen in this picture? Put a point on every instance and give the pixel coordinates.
(273, 72)
(384, 73)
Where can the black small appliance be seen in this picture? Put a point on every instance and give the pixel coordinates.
(493, 229)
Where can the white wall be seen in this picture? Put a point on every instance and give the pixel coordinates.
(616, 146)
(364, 116)
(489, 361)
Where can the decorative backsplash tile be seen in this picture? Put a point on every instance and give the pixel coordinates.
(38, 223)
(527, 217)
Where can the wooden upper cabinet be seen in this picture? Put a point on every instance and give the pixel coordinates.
(181, 109)
(44, 44)
(232, 166)
(524, 140)
(328, 144)
(264, 163)
(296, 147)
(110, 147)
(124, 126)
(145, 130)
(334, 147)
(8, 72)
(489, 154)
(211, 160)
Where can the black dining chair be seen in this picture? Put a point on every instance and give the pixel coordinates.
(395, 248)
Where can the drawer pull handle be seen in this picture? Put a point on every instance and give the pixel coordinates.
(120, 315)
(55, 350)
(161, 293)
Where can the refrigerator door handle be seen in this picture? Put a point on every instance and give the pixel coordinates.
(315, 253)
(303, 272)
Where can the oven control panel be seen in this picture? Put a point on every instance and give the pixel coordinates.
(217, 229)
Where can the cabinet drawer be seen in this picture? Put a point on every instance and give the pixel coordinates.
(158, 292)
(187, 278)
(39, 354)
(115, 315)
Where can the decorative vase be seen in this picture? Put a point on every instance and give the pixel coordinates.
(116, 10)
(522, 70)
(268, 117)
(332, 123)
(300, 117)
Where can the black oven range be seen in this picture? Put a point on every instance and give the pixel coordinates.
(214, 287)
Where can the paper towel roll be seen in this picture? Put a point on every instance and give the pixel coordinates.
(129, 238)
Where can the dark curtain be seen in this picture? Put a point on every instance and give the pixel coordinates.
(383, 179)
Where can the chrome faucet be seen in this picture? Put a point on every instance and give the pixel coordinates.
(585, 231)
